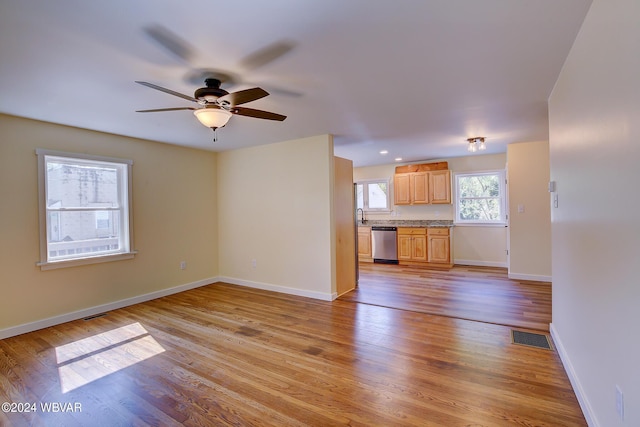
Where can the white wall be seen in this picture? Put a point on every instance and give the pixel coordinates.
(275, 206)
(474, 245)
(594, 151)
(174, 220)
(529, 227)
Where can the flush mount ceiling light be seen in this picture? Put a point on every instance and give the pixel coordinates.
(475, 144)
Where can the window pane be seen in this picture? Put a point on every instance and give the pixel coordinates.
(479, 210)
(77, 185)
(377, 192)
(480, 197)
(103, 220)
(85, 232)
(359, 196)
(85, 208)
(479, 186)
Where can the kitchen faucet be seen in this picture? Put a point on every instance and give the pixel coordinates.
(362, 220)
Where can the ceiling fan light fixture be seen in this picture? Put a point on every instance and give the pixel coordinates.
(212, 117)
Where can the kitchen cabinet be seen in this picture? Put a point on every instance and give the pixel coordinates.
(428, 183)
(428, 247)
(412, 244)
(440, 187)
(438, 245)
(364, 244)
(401, 190)
(411, 188)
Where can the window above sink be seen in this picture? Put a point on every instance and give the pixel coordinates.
(373, 195)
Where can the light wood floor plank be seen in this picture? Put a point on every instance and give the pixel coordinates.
(239, 356)
(484, 294)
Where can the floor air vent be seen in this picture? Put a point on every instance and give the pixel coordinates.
(530, 339)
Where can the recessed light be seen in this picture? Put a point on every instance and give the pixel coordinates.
(383, 152)
(398, 159)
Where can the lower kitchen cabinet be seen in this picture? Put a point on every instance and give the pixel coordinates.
(412, 244)
(429, 247)
(365, 253)
(439, 245)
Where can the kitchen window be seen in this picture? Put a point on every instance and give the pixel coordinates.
(480, 198)
(85, 209)
(373, 195)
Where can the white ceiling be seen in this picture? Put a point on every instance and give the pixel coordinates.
(414, 77)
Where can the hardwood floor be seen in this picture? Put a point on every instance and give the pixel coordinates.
(483, 294)
(226, 355)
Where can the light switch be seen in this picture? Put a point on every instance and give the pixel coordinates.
(520, 208)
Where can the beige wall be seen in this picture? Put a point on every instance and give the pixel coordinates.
(474, 245)
(594, 115)
(529, 227)
(275, 207)
(174, 215)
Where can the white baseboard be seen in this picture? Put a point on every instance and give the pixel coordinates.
(587, 411)
(480, 263)
(278, 288)
(68, 317)
(534, 277)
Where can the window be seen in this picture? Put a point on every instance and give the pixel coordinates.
(85, 209)
(480, 198)
(373, 195)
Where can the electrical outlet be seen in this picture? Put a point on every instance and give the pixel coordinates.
(619, 402)
(183, 265)
(254, 263)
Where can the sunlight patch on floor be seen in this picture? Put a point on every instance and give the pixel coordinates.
(95, 357)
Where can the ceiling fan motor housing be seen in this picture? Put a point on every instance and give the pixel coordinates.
(211, 92)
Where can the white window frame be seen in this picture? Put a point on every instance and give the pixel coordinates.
(126, 211)
(365, 194)
(503, 198)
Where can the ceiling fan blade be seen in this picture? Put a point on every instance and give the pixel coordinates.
(165, 109)
(267, 54)
(171, 42)
(169, 91)
(242, 96)
(250, 112)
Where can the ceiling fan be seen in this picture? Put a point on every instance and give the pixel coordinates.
(187, 54)
(216, 105)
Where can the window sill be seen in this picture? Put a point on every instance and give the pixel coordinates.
(52, 265)
(378, 211)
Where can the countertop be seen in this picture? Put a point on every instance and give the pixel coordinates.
(433, 223)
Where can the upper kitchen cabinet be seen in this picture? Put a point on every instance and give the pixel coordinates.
(411, 188)
(422, 184)
(440, 187)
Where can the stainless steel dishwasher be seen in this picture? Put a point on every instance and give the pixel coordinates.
(384, 243)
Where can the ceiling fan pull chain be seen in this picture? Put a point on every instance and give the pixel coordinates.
(215, 135)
